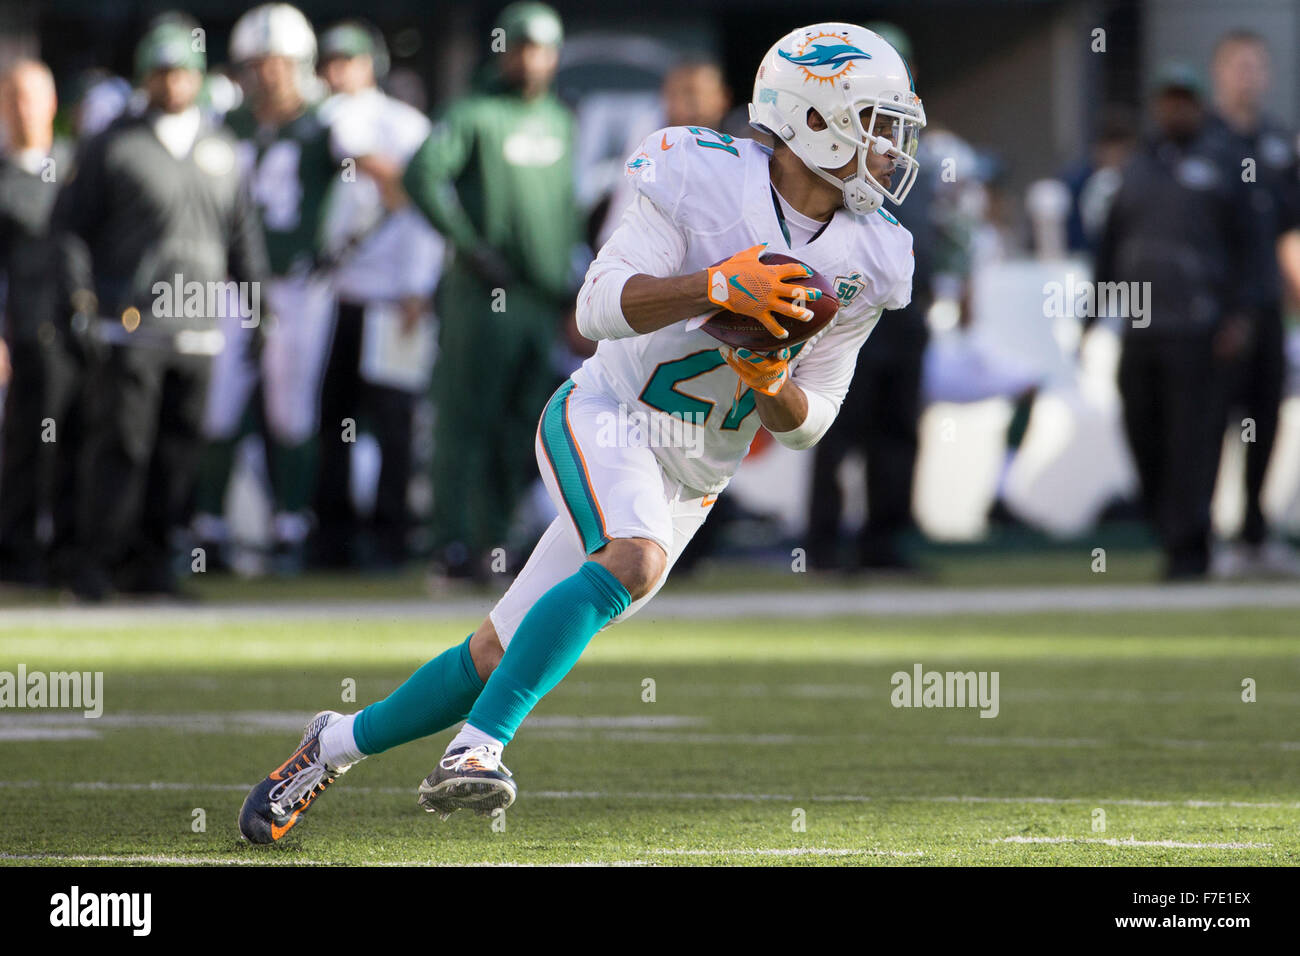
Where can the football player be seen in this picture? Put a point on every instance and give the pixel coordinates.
(841, 107)
(286, 149)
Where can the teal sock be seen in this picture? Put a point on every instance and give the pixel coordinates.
(436, 696)
(550, 639)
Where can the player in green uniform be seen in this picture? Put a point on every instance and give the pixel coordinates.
(286, 149)
(495, 178)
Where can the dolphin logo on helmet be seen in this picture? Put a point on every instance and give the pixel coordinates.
(834, 55)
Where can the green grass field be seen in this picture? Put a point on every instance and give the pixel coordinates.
(1138, 715)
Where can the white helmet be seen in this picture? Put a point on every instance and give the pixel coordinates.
(276, 29)
(840, 70)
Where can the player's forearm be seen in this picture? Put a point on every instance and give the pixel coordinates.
(437, 201)
(783, 412)
(387, 175)
(651, 303)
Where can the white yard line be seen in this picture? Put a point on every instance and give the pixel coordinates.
(790, 851)
(166, 785)
(48, 733)
(142, 858)
(794, 602)
(1131, 842)
(45, 725)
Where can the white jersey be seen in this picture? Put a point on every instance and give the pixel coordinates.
(399, 253)
(702, 197)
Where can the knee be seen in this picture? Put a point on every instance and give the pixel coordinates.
(638, 563)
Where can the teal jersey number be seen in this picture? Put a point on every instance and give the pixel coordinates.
(661, 391)
(718, 141)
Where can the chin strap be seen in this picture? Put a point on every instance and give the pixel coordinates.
(858, 196)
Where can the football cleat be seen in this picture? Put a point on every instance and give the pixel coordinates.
(274, 806)
(470, 778)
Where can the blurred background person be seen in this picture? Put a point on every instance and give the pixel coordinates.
(100, 98)
(694, 93)
(40, 424)
(285, 150)
(882, 409)
(1092, 182)
(1240, 73)
(157, 199)
(495, 178)
(386, 261)
(1176, 224)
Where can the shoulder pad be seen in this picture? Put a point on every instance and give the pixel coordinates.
(690, 172)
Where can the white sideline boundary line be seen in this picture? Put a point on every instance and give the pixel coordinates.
(149, 858)
(128, 858)
(1131, 842)
(663, 852)
(792, 603)
(789, 851)
(39, 725)
(180, 786)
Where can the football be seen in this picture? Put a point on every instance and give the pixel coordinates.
(745, 332)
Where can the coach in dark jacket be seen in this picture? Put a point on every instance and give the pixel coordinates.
(1177, 228)
(1261, 151)
(157, 221)
(39, 424)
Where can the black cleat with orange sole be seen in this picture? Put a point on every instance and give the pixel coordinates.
(274, 806)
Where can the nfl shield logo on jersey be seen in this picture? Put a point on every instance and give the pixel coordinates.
(846, 287)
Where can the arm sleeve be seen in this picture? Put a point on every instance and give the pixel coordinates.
(430, 179)
(79, 206)
(248, 259)
(1104, 256)
(78, 209)
(824, 377)
(647, 242)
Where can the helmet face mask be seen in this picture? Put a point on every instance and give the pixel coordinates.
(842, 72)
(900, 145)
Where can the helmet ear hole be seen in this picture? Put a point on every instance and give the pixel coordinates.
(816, 122)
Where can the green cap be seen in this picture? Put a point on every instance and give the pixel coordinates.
(169, 46)
(531, 22)
(1177, 75)
(352, 38)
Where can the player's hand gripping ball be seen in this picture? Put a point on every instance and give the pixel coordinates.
(763, 372)
(769, 301)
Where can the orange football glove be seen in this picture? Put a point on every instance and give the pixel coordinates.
(746, 286)
(764, 372)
